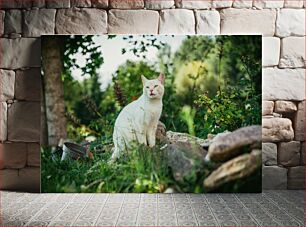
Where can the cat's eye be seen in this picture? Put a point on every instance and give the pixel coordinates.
(156, 86)
(147, 87)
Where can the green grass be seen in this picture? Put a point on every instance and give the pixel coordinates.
(142, 170)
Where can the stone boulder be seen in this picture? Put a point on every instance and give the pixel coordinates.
(184, 154)
(237, 168)
(231, 144)
(277, 129)
(267, 108)
(174, 137)
(285, 106)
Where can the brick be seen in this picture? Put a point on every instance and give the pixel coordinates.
(3, 121)
(293, 52)
(26, 179)
(177, 21)
(39, 3)
(39, 22)
(285, 107)
(133, 22)
(33, 158)
(126, 4)
(55, 4)
(191, 4)
(28, 84)
(208, 22)
(81, 21)
(271, 51)
(289, 154)
(20, 53)
(269, 154)
(274, 177)
(240, 21)
(296, 177)
(24, 122)
(153, 4)
(242, 4)
(2, 15)
(13, 21)
(290, 22)
(99, 3)
(277, 129)
(80, 3)
(262, 4)
(221, 4)
(267, 108)
(283, 84)
(7, 85)
(299, 122)
(293, 4)
(303, 160)
(15, 4)
(13, 155)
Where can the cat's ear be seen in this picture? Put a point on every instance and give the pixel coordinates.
(144, 79)
(161, 78)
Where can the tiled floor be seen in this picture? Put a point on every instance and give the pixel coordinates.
(271, 208)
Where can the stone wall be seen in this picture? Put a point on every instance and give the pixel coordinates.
(281, 22)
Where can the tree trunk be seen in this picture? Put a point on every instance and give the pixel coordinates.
(54, 89)
(43, 120)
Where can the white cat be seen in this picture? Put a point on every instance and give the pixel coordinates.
(138, 120)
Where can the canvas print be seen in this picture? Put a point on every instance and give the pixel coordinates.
(151, 114)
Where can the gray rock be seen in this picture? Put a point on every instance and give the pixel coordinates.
(2, 14)
(3, 121)
(274, 177)
(283, 84)
(184, 138)
(285, 107)
(100, 3)
(289, 153)
(177, 21)
(184, 158)
(13, 155)
(33, 155)
(26, 179)
(7, 84)
(277, 129)
(231, 144)
(290, 22)
(81, 3)
(39, 22)
(20, 53)
(15, 4)
(267, 108)
(13, 22)
(296, 178)
(269, 154)
(39, 3)
(133, 21)
(303, 158)
(24, 122)
(126, 4)
(237, 168)
(81, 21)
(28, 84)
(299, 122)
(153, 4)
(55, 4)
